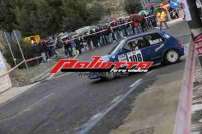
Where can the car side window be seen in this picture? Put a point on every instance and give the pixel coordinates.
(136, 44)
(132, 45)
(154, 38)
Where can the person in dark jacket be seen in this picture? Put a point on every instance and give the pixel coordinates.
(135, 26)
(68, 47)
(78, 44)
(44, 50)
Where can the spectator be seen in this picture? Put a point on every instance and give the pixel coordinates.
(152, 10)
(44, 51)
(98, 35)
(143, 24)
(68, 48)
(181, 11)
(135, 26)
(78, 44)
(161, 17)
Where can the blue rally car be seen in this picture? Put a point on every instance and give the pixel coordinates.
(156, 46)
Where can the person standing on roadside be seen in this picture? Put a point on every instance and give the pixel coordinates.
(135, 26)
(78, 44)
(114, 26)
(143, 23)
(68, 47)
(44, 50)
(162, 18)
(181, 11)
(152, 10)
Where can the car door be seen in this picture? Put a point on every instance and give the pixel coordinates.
(130, 51)
(153, 47)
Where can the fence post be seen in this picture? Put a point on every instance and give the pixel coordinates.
(9, 46)
(21, 51)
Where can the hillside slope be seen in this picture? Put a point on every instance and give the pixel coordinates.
(115, 7)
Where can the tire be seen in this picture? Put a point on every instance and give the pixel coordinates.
(171, 57)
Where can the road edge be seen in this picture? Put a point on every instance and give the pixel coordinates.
(183, 115)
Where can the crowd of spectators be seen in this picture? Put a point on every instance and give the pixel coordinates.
(99, 35)
(75, 43)
(108, 33)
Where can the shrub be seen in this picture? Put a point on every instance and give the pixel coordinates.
(133, 6)
(28, 50)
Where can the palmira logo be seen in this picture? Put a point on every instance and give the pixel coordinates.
(99, 65)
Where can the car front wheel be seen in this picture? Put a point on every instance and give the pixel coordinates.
(171, 57)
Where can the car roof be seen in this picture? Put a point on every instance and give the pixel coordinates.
(125, 39)
(142, 34)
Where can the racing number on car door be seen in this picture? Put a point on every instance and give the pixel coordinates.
(135, 56)
(133, 51)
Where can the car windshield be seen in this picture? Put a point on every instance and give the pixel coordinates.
(116, 46)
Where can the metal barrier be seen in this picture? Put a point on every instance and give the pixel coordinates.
(183, 115)
(19, 64)
(198, 44)
(130, 22)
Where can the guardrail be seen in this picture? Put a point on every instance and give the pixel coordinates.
(183, 115)
(19, 64)
(130, 22)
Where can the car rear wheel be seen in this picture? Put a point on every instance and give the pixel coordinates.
(171, 57)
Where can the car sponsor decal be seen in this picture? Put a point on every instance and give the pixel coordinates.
(135, 56)
(156, 41)
(98, 65)
(122, 57)
(158, 48)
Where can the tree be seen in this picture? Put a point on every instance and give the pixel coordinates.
(132, 6)
(7, 18)
(95, 11)
(79, 13)
(47, 17)
(38, 17)
(74, 14)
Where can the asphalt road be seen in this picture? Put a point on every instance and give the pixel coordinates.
(64, 105)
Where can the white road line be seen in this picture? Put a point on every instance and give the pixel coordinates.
(135, 83)
(116, 99)
(38, 102)
(149, 73)
(91, 123)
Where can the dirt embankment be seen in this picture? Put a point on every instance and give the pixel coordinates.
(115, 7)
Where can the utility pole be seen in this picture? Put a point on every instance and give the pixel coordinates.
(10, 48)
(195, 23)
(23, 57)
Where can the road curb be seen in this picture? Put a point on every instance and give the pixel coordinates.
(47, 76)
(183, 115)
(12, 93)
